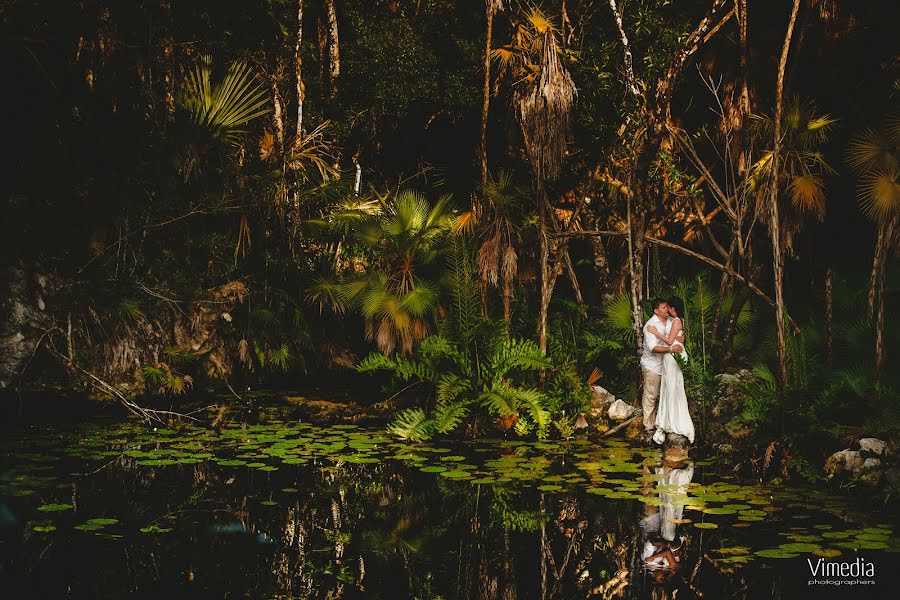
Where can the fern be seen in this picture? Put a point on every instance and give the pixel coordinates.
(450, 386)
(376, 362)
(411, 424)
(448, 415)
(518, 354)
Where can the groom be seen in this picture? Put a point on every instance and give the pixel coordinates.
(652, 361)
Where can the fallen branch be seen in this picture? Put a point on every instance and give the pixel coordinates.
(621, 426)
(148, 414)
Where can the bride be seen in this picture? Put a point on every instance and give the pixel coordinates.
(672, 416)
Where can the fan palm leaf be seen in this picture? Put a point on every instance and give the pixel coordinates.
(223, 109)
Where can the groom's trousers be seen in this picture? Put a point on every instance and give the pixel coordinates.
(650, 397)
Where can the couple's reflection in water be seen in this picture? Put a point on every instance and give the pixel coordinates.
(661, 543)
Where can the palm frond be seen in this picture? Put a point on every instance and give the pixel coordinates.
(879, 195)
(224, 108)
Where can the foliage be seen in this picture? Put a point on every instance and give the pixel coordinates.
(494, 382)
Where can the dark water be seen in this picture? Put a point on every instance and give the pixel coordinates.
(287, 510)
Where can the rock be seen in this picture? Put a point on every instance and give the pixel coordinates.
(619, 411)
(873, 445)
(676, 440)
(871, 463)
(844, 462)
(600, 397)
(729, 398)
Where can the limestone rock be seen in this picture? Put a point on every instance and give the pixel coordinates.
(843, 462)
(871, 463)
(619, 411)
(873, 445)
(600, 398)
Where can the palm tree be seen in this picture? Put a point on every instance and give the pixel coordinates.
(795, 165)
(543, 93)
(405, 234)
(874, 155)
(498, 258)
(801, 164)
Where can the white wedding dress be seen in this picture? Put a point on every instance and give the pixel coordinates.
(672, 415)
(673, 495)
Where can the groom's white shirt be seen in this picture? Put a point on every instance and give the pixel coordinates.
(650, 360)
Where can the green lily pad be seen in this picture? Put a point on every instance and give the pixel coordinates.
(776, 553)
(719, 511)
(706, 526)
(55, 507)
(800, 547)
(433, 469)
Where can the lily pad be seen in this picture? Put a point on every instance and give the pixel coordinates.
(55, 507)
(776, 553)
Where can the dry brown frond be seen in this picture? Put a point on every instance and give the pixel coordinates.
(510, 264)
(488, 259)
(807, 192)
(769, 455)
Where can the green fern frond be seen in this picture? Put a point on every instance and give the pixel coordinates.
(450, 386)
(448, 415)
(375, 362)
(411, 424)
(519, 354)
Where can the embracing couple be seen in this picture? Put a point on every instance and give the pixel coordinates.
(664, 401)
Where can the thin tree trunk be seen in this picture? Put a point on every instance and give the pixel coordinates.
(278, 107)
(334, 55)
(741, 6)
(486, 99)
(885, 237)
(598, 253)
(877, 262)
(636, 246)
(298, 63)
(724, 285)
(829, 316)
(775, 225)
(544, 266)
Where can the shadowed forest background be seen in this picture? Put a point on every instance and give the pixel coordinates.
(238, 195)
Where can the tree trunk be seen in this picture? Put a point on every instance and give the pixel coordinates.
(741, 6)
(775, 225)
(486, 99)
(636, 244)
(278, 107)
(598, 252)
(829, 316)
(881, 247)
(885, 237)
(334, 55)
(298, 63)
(545, 275)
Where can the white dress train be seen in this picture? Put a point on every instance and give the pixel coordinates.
(672, 414)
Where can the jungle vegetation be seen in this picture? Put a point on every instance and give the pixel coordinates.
(471, 203)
